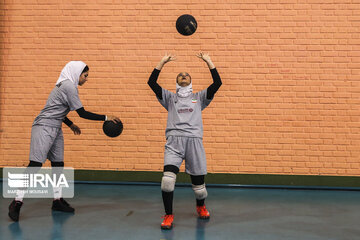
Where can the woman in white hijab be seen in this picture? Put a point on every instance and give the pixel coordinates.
(47, 140)
(184, 132)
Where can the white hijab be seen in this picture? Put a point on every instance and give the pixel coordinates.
(184, 92)
(72, 72)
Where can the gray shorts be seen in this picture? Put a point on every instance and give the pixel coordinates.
(191, 149)
(46, 143)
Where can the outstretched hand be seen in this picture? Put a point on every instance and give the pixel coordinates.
(206, 58)
(167, 58)
(75, 129)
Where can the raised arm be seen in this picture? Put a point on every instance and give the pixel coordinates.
(212, 89)
(155, 74)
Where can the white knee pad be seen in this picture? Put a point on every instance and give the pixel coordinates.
(200, 191)
(168, 182)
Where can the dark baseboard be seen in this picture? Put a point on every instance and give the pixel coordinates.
(255, 180)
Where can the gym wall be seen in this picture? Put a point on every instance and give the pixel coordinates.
(289, 103)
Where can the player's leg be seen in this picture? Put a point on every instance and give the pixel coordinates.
(199, 188)
(16, 204)
(167, 190)
(173, 158)
(41, 142)
(56, 156)
(195, 165)
(168, 186)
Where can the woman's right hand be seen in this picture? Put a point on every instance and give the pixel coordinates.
(112, 118)
(167, 58)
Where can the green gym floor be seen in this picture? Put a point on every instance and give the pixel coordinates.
(134, 212)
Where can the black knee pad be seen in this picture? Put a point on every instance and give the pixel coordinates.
(57, 164)
(197, 180)
(171, 168)
(35, 164)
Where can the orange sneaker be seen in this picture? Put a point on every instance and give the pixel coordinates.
(168, 222)
(202, 212)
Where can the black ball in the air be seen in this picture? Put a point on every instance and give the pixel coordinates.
(112, 129)
(186, 24)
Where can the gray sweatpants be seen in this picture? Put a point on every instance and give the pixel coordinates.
(189, 148)
(46, 143)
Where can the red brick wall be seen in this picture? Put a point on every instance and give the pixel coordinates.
(289, 103)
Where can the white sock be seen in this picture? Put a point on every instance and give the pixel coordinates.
(20, 195)
(57, 192)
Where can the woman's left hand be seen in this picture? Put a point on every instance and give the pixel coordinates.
(204, 56)
(75, 129)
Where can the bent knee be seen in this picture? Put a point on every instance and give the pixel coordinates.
(168, 182)
(200, 191)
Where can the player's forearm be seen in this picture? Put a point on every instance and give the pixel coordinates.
(153, 83)
(160, 65)
(210, 64)
(214, 87)
(216, 77)
(89, 115)
(67, 121)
